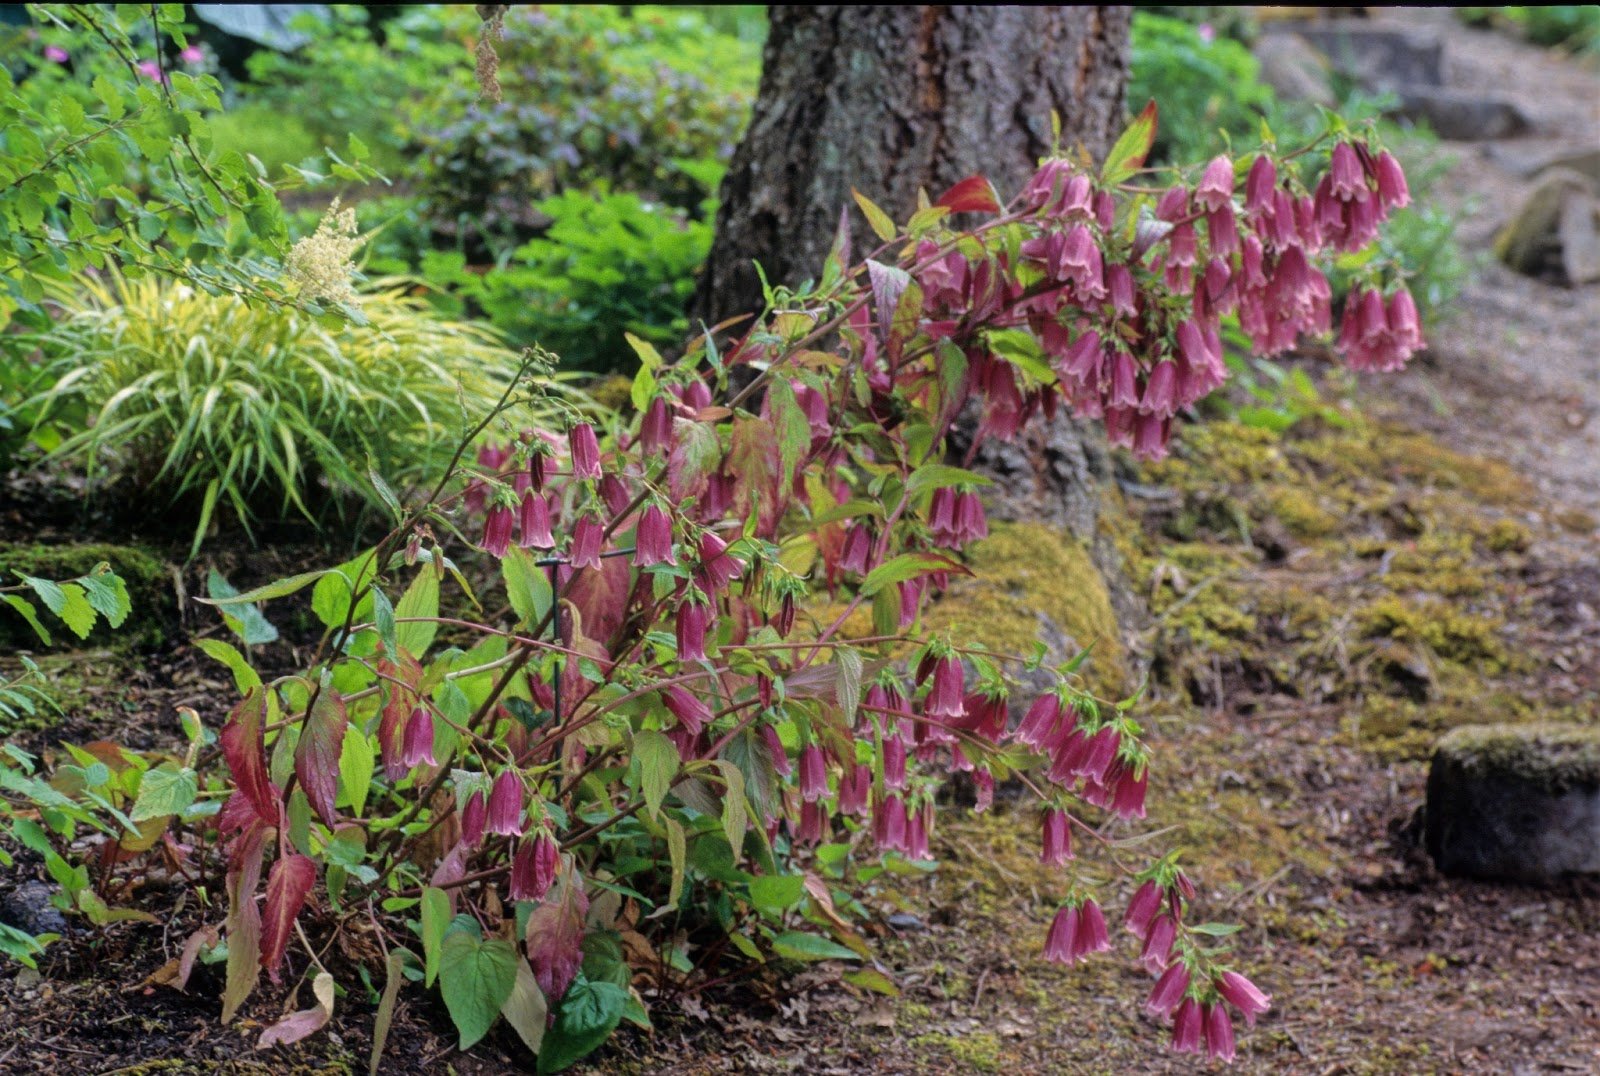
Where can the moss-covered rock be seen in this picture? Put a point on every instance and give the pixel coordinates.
(1030, 584)
(1516, 802)
(154, 615)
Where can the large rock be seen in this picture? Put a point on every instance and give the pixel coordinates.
(1516, 803)
(1378, 57)
(1294, 69)
(1553, 233)
(1462, 115)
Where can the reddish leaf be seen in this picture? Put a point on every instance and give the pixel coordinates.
(601, 596)
(243, 924)
(555, 936)
(754, 464)
(297, 1025)
(200, 939)
(1130, 150)
(244, 748)
(316, 756)
(975, 194)
(291, 880)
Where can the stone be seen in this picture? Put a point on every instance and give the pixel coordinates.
(1378, 57)
(1294, 69)
(1534, 241)
(1516, 803)
(27, 907)
(1575, 234)
(1519, 162)
(1462, 115)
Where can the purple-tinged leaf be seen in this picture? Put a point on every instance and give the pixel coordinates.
(316, 756)
(244, 749)
(287, 887)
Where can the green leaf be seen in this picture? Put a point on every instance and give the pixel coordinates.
(67, 601)
(476, 978)
(872, 979)
(355, 768)
(847, 681)
(421, 599)
(26, 610)
(383, 618)
(108, 594)
(245, 621)
(677, 849)
(527, 586)
(1216, 930)
(1130, 150)
(904, 567)
(244, 676)
(880, 222)
(526, 1010)
(658, 762)
(277, 589)
(644, 382)
(776, 893)
(435, 917)
(940, 475)
(393, 978)
(735, 813)
(799, 946)
(167, 789)
(330, 598)
(589, 1013)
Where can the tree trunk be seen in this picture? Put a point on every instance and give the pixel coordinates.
(891, 100)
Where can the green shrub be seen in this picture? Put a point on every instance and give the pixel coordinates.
(1200, 86)
(609, 264)
(651, 102)
(206, 400)
(1572, 26)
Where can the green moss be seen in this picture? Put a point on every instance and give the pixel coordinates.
(155, 607)
(1550, 756)
(1301, 513)
(1030, 583)
(974, 1051)
(1450, 633)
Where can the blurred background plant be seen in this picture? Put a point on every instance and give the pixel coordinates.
(263, 412)
(1570, 26)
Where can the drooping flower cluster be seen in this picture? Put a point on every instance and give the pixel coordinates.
(682, 549)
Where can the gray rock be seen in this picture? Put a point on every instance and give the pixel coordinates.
(1534, 242)
(1516, 803)
(1294, 69)
(1461, 115)
(1378, 57)
(1580, 245)
(27, 907)
(1519, 162)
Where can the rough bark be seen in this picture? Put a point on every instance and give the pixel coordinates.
(891, 100)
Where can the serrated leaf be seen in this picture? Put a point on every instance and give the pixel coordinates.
(421, 600)
(847, 682)
(658, 761)
(476, 977)
(167, 789)
(108, 594)
(777, 893)
(356, 764)
(67, 601)
(288, 885)
(316, 756)
(527, 586)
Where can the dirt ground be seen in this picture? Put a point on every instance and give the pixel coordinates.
(1289, 759)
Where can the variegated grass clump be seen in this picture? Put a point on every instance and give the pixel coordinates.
(208, 400)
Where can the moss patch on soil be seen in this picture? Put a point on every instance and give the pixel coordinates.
(150, 591)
